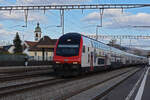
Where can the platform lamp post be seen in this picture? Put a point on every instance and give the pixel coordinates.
(97, 31)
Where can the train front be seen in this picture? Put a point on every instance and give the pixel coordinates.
(67, 55)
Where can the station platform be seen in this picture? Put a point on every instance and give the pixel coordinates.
(144, 89)
(136, 87)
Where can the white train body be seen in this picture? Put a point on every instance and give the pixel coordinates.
(77, 52)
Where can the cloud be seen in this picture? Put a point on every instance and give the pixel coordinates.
(1, 26)
(117, 19)
(2, 2)
(33, 2)
(6, 32)
(19, 16)
(137, 19)
(106, 14)
(7, 2)
(6, 35)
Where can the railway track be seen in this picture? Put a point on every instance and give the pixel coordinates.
(13, 82)
(6, 90)
(72, 85)
(15, 76)
(22, 69)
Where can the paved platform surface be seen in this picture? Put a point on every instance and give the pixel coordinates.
(146, 92)
(137, 87)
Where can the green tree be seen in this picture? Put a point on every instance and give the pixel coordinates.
(17, 44)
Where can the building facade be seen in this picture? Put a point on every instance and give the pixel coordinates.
(42, 48)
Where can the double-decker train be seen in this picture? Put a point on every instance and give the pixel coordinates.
(75, 53)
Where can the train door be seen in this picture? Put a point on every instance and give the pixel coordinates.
(108, 60)
(91, 62)
(124, 59)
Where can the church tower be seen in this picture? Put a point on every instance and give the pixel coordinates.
(37, 32)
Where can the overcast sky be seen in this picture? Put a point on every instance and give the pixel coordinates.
(114, 21)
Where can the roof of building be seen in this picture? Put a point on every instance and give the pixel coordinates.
(35, 49)
(46, 42)
(40, 49)
(7, 47)
(31, 43)
(2, 49)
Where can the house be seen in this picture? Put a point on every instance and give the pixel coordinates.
(9, 48)
(27, 45)
(1, 50)
(41, 50)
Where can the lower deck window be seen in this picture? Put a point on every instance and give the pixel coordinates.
(83, 49)
(101, 61)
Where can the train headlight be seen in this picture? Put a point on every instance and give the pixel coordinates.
(75, 62)
(57, 62)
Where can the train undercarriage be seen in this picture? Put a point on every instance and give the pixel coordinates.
(76, 69)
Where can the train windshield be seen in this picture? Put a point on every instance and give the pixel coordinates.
(68, 45)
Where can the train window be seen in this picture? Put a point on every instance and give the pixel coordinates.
(68, 45)
(95, 55)
(118, 60)
(101, 61)
(83, 50)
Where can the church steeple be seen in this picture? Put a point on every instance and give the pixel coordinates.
(38, 32)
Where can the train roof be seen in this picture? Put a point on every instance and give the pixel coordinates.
(115, 49)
